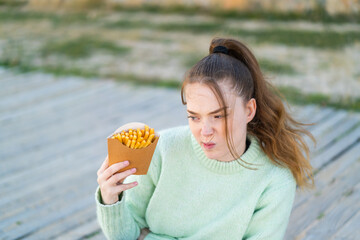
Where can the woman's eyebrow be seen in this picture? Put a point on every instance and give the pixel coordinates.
(213, 112)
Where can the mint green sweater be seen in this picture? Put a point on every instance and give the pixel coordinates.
(185, 195)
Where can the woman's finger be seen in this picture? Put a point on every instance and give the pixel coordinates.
(119, 177)
(112, 170)
(104, 166)
(124, 187)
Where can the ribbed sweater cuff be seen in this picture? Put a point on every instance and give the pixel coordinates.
(116, 220)
(108, 215)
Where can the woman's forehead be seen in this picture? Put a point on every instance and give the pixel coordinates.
(203, 90)
(201, 96)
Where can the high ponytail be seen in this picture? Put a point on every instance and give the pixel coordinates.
(280, 135)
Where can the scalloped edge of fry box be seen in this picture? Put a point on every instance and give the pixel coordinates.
(138, 158)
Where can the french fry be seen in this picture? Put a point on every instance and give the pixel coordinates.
(119, 138)
(133, 142)
(146, 135)
(136, 138)
(149, 140)
(143, 143)
(151, 137)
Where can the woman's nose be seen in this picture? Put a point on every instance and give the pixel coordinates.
(206, 129)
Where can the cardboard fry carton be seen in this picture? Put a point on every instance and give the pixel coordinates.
(138, 158)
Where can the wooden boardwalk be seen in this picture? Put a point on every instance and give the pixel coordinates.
(53, 139)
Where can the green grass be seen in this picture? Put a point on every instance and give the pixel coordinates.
(293, 95)
(318, 39)
(322, 40)
(195, 27)
(319, 14)
(82, 47)
(278, 68)
(348, 192)
(13, 3)
(13, 14)
(91, 235)
(318, 193)
(320, 216)
(326, 39)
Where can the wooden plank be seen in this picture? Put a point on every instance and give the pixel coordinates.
(19, 164)
(73, 223)
(318, 117)
(49, 105)
(335, 216)
(22, 191)
(317, 204)
(334, 133)
(10, 79)
(52, 166)
(336, 149)
(46, 216)
(52, 114)
(319, 130)
(350, 230)
(59, 186)
(305, 114)
(17, 85)
(329, 174)
(59, 189)
(162, 114)
(39, 94)
(84, 231)
(71, 141)
(26, 106)
(70, 127)
(328, 123)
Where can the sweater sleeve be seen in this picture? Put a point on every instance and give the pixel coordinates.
(125, 218)
(272, 212)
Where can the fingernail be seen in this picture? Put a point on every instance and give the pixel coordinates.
(126, 162)
(133, 170)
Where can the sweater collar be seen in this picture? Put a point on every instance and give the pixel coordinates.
(252, 155)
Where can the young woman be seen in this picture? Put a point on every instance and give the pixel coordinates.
(231, 174)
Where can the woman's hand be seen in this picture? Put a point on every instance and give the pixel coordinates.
(111, 183)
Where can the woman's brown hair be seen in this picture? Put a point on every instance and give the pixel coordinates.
(279, 134)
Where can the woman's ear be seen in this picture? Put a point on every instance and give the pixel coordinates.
(250, 110)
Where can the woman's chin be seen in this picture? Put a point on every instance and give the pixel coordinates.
(210, 155)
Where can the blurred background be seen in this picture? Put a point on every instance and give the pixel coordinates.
(310, 49)
(73, 71)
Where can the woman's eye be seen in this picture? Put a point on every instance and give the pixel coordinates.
(193, 118)
(219, 116)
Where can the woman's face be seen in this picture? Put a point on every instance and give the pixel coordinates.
(207, 122)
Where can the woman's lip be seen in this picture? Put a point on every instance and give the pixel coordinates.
(208, 145)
